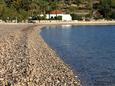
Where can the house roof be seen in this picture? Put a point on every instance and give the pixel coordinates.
(56, 12)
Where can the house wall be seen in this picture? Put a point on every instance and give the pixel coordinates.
(65, 17)
(48, 16)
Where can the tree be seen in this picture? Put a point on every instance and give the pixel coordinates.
(1, 10)
(105, 8)
(8, 2)
(25, 4)
(91, 7)
(77, 2)
(33, 9)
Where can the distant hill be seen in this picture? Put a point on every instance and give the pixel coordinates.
(24, 9)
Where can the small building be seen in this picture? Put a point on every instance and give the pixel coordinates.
(58, 13)
(66, 17)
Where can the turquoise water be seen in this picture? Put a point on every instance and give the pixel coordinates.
(88, 50)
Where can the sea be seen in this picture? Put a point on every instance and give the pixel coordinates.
(88, 50)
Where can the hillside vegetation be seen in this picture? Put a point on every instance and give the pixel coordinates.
(31, 9)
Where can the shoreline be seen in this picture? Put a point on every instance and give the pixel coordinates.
(101, 22)
(58, 22)
(27, 60)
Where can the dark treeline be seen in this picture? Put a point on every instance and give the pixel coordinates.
(23, 9)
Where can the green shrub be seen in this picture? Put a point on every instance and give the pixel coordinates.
(41, 18)
(113, 15)
(76, 17)
(113, 3)
(52, 18)
(10, 14)
(58, 18)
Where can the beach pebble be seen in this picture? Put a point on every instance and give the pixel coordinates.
(26, 60)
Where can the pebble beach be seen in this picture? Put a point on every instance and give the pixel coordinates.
(26, 60)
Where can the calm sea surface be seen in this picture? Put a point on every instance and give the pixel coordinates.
(88, 50)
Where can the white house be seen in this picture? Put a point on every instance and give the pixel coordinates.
(53, 14)
(66, 17)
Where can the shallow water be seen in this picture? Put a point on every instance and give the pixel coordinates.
(89, 50)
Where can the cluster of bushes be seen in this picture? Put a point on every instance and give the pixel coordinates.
(56, 18)
(113, 15)
(80, 17)
(10, 14)
(113, 3)
(38, 18)
(76, 17)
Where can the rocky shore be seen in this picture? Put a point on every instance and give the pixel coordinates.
(26, 60)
